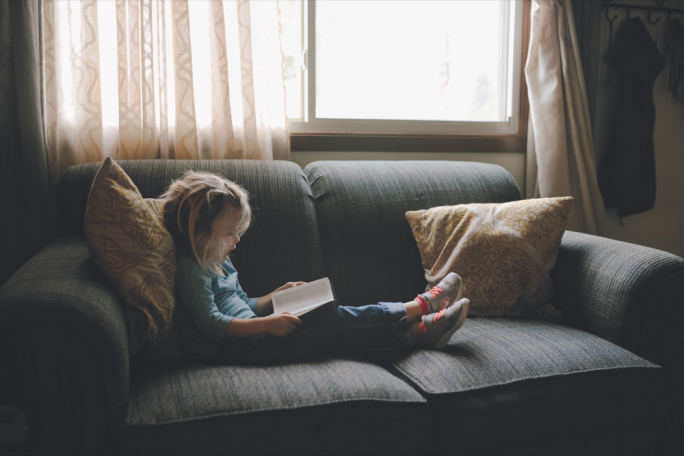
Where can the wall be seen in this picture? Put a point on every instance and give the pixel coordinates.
(663, 226)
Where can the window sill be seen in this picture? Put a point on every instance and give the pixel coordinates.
(398, 142)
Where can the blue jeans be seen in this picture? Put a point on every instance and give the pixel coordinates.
(366, 330)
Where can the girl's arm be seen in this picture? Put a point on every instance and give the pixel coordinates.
(265, 306)
(281, 324)
(267, 322)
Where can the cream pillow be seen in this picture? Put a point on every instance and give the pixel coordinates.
(503, 252)
(131, 246)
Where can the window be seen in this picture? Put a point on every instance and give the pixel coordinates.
(383, 75)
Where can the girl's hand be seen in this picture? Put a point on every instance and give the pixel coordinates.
(281, 324)
(289, 285)
(265, 307)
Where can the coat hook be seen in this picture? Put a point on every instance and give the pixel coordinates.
(607, 18)
(649, 19)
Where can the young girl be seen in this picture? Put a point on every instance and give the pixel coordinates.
(207, 214)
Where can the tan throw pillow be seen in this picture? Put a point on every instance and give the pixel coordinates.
(131, 246)
(503, 252)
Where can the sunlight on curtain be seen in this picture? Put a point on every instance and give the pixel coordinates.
(560, 149)
(135, 79)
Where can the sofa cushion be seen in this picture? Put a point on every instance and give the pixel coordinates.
(531, 381)
(370, 254)
(502, 251)
(319, 406)
(282, 243)
(130, 245)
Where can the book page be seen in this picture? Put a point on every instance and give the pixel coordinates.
(303, 298)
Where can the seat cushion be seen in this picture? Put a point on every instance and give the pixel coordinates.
(507, 382)
(322, 406)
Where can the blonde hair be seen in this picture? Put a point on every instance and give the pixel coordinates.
(196, 206)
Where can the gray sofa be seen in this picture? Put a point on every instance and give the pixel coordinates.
(605, 380)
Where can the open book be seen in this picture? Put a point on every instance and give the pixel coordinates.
(303, 298)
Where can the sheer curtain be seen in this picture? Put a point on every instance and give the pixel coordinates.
(560, 150)
(135, 79)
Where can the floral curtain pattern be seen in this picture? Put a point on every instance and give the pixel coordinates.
(138, 79)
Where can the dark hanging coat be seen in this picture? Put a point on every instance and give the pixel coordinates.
(627, 176)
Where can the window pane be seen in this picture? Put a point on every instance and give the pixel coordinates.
(411, 60)
(291, 35)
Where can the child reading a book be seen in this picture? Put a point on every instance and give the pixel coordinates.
(206, 215)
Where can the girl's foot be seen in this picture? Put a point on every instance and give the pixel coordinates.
(439, 327)
(447, 292)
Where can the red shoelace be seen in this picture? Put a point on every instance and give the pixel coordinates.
(434, 291)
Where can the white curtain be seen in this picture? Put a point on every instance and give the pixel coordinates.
(560, 151)
(135, 79)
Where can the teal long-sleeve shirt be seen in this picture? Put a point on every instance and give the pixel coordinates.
(207, 302)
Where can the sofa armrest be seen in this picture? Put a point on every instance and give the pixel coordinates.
(627, 294)
(64, 350)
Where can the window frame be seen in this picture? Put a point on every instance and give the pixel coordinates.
(369, 141)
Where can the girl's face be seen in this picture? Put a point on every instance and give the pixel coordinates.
(229, 232)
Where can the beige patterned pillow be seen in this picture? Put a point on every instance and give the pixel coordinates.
(503, 252)
(130, 245)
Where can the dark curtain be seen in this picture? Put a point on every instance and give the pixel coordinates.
(587, 15)
(27, 217)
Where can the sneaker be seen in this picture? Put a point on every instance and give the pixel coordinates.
(447, 292)
(439, 327)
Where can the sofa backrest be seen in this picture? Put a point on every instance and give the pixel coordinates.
(369, 250)
(282, 243)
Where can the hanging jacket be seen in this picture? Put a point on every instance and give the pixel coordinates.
(676, 56)
(627, 177)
